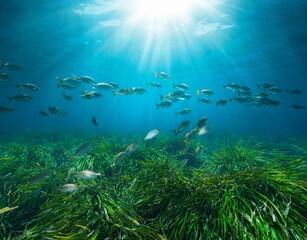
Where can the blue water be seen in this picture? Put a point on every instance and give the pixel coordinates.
(238, 41)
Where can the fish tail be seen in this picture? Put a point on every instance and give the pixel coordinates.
(216, 103)
(157, 105)
(161, 97)
(114, 93)
(63, 114)
(198, 93)
(156, 74)
(9, 99)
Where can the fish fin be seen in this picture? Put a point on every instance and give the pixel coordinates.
(9, 99)
(161, 97)
(198, 93)
(157, 105)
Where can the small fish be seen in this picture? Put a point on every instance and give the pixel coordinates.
(244, 89)
(20, 98)
(5, 109)
(185, 145)
(56, 110)
(183, 162)
(183, 112)
(204, 100)
(273, 90)
(115, 85)
(181, 86)
(177, 94)
(154, 85)
(43, 113)
(73, 82)
(92, 94)
(122, 92)
(94, 121)
(87, 96)
(203, 130)
(67, 97)
(27, 86)
(265, 86)
(82, 148)
(67, 87)
(163, 75)
(4, 76)
(40, 177)
(131, 147)
(295, 92)
(297, 107)
(70, 173)
(221, 102)
(12, 66)
(260, 95)
(87, 174)
(103, 86)
(164, 104)
(152, 134)
(171, 173)
(232, 86)
(189, 135)
(69, 188)
(85, 79)
(206, 92)
(181, 127)
(201, 122)
(137, 90)
(119, 157)
(198, 150)
(184, 97)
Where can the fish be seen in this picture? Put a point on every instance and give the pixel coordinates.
(12, 66)
(181, 127)
(137, 90)
(297, 107)
(189, 135)
(185, 145)
(244, 89)
(56, 110)
(119, 157)
(94, 121)
(273, 90)
(201, 122)
(87, 96)
(82, 148)
(203, 130)
(122, 91)
(67, 97)
(181, 86)
(4, 76)
(73, 82)
(260, 95)
(232, 86)
(131, 147)
(268, 102)
(115, 85)
(295, 92)
(151, 134)
(163, 75)
(87, 174)
(70, 173)
(69, 188)
(20, 98)
(204, 100)
(198, 150)
(221, 102)
(168, 97)
(265, 86)
(164, 104)
(154, 85)
(206, 92)
(67, 87)
(241, 99)
(245, 94)
(85, 79)
(183, 112)
(43, 113)
(183, 162)
(177, 94)
(5, 109)
(184, 97)
(27, 86)
(40, 177)
(171, 172)
(103, 86)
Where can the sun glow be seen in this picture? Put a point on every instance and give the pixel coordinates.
(155, 9)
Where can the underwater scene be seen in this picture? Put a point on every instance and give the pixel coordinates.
(153, 119)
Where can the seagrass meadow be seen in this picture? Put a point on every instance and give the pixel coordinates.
(236, 188)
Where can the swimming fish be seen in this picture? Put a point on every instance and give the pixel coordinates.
(165, 104)
(56, 110)
(152, 134)
(83, 148)
(20, 98)
(203, 130)
(183, 112)
(118, 158)
(154, 85)
(163, 75)
(297, 107)
(70, 173)
(131, 147)
(198, 150)
(295, 92)
(28, 86)
(221, 102)
(206, 92)
(181, 127)
(43, 113)
(94, 121)
(67, 97)
(40, 177)
(69, 188)
(5, 109)
(85, 79)
(181, 86)
(87, 174)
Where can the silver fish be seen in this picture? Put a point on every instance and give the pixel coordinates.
(83, 148)
(20, 98)
(40, 177)
(203, 130)
(67, 97)
(69, 188)
(118, 158)
(43, 113)
(103, 86)
(181, 127)
(70, 173)
(56, 110)
(183, 112)
(183, 162)
(87, 174)
(85, 79)
(163, 75)
(164, 104)
(152, 134)
(28, 86)
(181, 86)
(131, 148)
